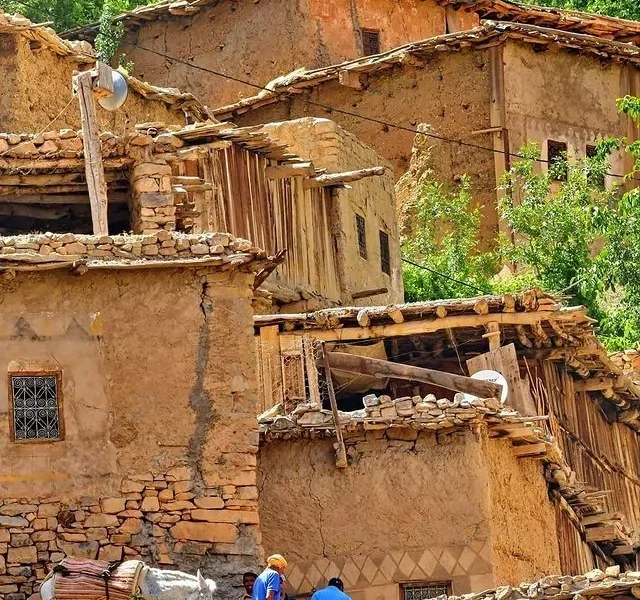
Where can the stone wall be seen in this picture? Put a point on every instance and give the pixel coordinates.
(158, 457)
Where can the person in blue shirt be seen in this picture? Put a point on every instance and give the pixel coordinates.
(334, 591)
(267, 585)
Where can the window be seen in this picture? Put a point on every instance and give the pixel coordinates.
(385, 261)
(35, 406)
(557, 157)
(362, 236)
(596, 175)
(370, 41)
(421, 590)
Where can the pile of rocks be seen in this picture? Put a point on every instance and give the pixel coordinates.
(597, 583)
(160, 518)
(93, 251)
(381, 412)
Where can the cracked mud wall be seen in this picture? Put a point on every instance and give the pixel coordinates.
(37, 88)
(451, 93)
(405, 510)
(264, 39)
(159, 404)
(523, 526)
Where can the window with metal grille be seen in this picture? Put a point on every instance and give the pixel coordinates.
(557, 157)
(423, 590)
(385, 260)
(35, 406)
(370, 41)
(362, 236)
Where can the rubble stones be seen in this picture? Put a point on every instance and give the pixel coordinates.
(125, 249)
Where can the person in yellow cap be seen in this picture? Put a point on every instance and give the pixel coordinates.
(267, 585)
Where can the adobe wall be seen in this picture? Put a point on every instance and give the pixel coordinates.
(523, 527)
(158, 458)
(330, 147)
(231, 37)
(409, 507)
(540, 98)
(37, 87)
(452, 92)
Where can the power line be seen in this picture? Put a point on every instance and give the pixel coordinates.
(473, 287)
(412, 130)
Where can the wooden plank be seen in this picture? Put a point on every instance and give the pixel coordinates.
(94, 169)
(312, 371)
(336, 179)
(341, 453)
(271, 366)
(385, 368)
(601, 534)
(451, 322)
(504, 360)
(529, 450)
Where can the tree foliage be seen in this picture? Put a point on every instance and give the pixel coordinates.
(623, 9)
(565, 232)
(66, 14)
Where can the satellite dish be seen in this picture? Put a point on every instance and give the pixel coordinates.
(491, 377)
(120, 91)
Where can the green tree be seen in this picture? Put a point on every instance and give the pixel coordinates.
(566, 233)
(66, 14)
(623, 9)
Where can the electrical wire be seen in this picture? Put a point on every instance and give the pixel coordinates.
(329, 108)
(473, 287)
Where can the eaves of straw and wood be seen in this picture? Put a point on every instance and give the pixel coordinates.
(570, 406)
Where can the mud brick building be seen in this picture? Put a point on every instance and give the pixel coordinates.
(89, 464)
(488, 86)
(37, 67)
(444, 492)
(213, 177)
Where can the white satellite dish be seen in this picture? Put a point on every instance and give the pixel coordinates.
(120, 92)
(491, 377)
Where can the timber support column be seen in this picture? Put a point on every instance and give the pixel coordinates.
(96, 81)
(152, 206)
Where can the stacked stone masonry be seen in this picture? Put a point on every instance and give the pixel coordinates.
(158, 518)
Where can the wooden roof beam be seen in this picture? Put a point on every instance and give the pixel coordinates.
(339, 179)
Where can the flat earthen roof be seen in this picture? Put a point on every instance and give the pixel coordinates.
(478, 37)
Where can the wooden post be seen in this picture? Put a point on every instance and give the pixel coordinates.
(493, 333)
(385, 368)
(341, 451)
(94, 169)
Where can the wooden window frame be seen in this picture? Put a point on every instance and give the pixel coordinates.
(365, 46)
(59, 403)
(385, 264)
(362, 241)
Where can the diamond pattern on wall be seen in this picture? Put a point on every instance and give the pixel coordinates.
(462, 564)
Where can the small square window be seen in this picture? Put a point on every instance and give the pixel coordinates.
(35, 406)
(362, 236)
(557, 157)
(385, 260)
(370, 42)
(424, 590)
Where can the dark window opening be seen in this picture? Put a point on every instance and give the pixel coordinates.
(370, 42)
(35, 406)
(424, 590)
(31, 207)
(557, 157)
(362, 236)
(385, 259)
(597, 174)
